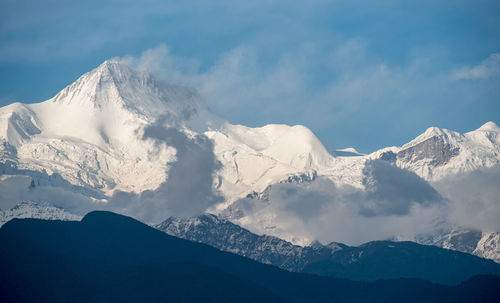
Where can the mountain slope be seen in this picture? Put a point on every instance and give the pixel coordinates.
(115, 256)
(224, 235)
(368, 262)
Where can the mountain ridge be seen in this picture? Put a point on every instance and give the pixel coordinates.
(366, 262)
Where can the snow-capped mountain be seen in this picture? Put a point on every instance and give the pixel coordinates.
(90, 136)
(439, 153)
(100, 142)
(87, 134)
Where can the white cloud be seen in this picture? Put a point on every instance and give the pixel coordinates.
(160, 61)
(240, 82)
(397, 204)
(488, 68)
(475, 199)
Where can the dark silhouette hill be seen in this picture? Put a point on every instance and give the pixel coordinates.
(388, 260)
(108, 257)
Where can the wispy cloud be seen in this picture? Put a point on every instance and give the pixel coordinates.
(237, 82)
(488, 68)
(475, 199)
(160, 61)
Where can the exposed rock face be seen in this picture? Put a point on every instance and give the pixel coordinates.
(434, 149)
(388, 156)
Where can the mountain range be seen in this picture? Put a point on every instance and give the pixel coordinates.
(125, 141)
(368, 262)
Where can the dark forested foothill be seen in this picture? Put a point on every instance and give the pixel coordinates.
(109, 257)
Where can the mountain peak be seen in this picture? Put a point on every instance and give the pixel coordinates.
(113, 85)
(113, 68)
(489, 127)
(429, 133)
(435, 131)
(443, 135)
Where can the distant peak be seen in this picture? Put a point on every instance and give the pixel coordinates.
(438, 132)
(112, 63)
(114, 86)
(430, 132)
(106, 64)
(490, 127)
(116, 70)
(434, 130)
(443, 134)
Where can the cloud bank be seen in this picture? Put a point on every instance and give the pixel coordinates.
(475, 198)
(397, 204)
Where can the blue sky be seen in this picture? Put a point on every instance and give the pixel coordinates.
(366, 74)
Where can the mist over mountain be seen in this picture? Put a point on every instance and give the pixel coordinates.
(122, 140)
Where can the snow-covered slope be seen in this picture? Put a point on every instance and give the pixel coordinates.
(29, 209)
(254, 158)
(488, 246)
(482, 244)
